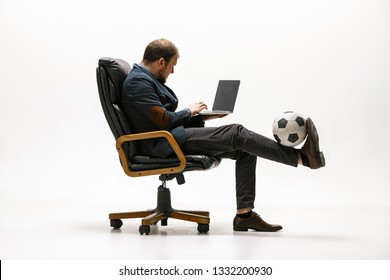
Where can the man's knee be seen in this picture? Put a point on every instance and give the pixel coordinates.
(236, 128)
(238, 135)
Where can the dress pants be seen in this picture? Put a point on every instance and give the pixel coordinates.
(242, 145)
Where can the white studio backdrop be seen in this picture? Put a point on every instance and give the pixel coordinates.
(329, 60)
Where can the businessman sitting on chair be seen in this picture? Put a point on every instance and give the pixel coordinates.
(151, 105)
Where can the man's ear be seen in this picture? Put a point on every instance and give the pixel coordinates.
(161, 62)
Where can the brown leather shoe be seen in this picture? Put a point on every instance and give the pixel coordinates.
(311, 155)
(254, 222)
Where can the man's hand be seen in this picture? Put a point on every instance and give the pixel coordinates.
(195, 108)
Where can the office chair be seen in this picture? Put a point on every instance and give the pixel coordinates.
(110, 76)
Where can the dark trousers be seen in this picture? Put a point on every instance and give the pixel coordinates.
(242, 145)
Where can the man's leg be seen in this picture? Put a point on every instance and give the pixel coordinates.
(204, 142)
(245, 171)
(240, 144)
(216, 140)
(245, 180)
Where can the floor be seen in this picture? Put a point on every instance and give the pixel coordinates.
(79, 231)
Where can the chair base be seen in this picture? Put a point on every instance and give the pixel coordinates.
(162, 212)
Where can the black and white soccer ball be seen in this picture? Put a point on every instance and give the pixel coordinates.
(289, 129)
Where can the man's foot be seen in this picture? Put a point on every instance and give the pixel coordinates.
(311, 155)
(254, 222)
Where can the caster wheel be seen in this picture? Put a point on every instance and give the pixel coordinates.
(203, 228)
(144, 229)
(116, 224)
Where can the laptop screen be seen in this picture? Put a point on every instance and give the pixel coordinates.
(226, 95)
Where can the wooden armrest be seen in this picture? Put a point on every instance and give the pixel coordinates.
(149, 135)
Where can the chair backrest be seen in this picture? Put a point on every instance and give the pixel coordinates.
(110, 75)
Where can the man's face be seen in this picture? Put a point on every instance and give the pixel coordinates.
(167, 69)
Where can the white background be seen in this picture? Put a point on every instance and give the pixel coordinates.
(59, 172)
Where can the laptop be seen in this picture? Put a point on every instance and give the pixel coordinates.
(225, 98)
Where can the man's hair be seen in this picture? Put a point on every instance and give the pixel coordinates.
(160, 48)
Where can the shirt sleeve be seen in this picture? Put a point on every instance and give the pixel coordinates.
(155, 106)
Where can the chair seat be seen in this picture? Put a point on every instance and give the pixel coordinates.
(194, 162)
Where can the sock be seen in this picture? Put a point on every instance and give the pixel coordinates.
(244, 215)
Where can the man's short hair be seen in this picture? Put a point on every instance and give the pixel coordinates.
(160, 48)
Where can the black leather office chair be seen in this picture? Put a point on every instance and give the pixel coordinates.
(110, 76)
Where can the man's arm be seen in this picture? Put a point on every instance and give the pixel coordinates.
(145, 97)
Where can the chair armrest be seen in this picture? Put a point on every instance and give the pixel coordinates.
(149, 135)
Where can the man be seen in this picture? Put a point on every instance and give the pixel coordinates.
(150, 105)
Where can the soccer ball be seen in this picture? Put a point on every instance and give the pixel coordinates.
(289, 129)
